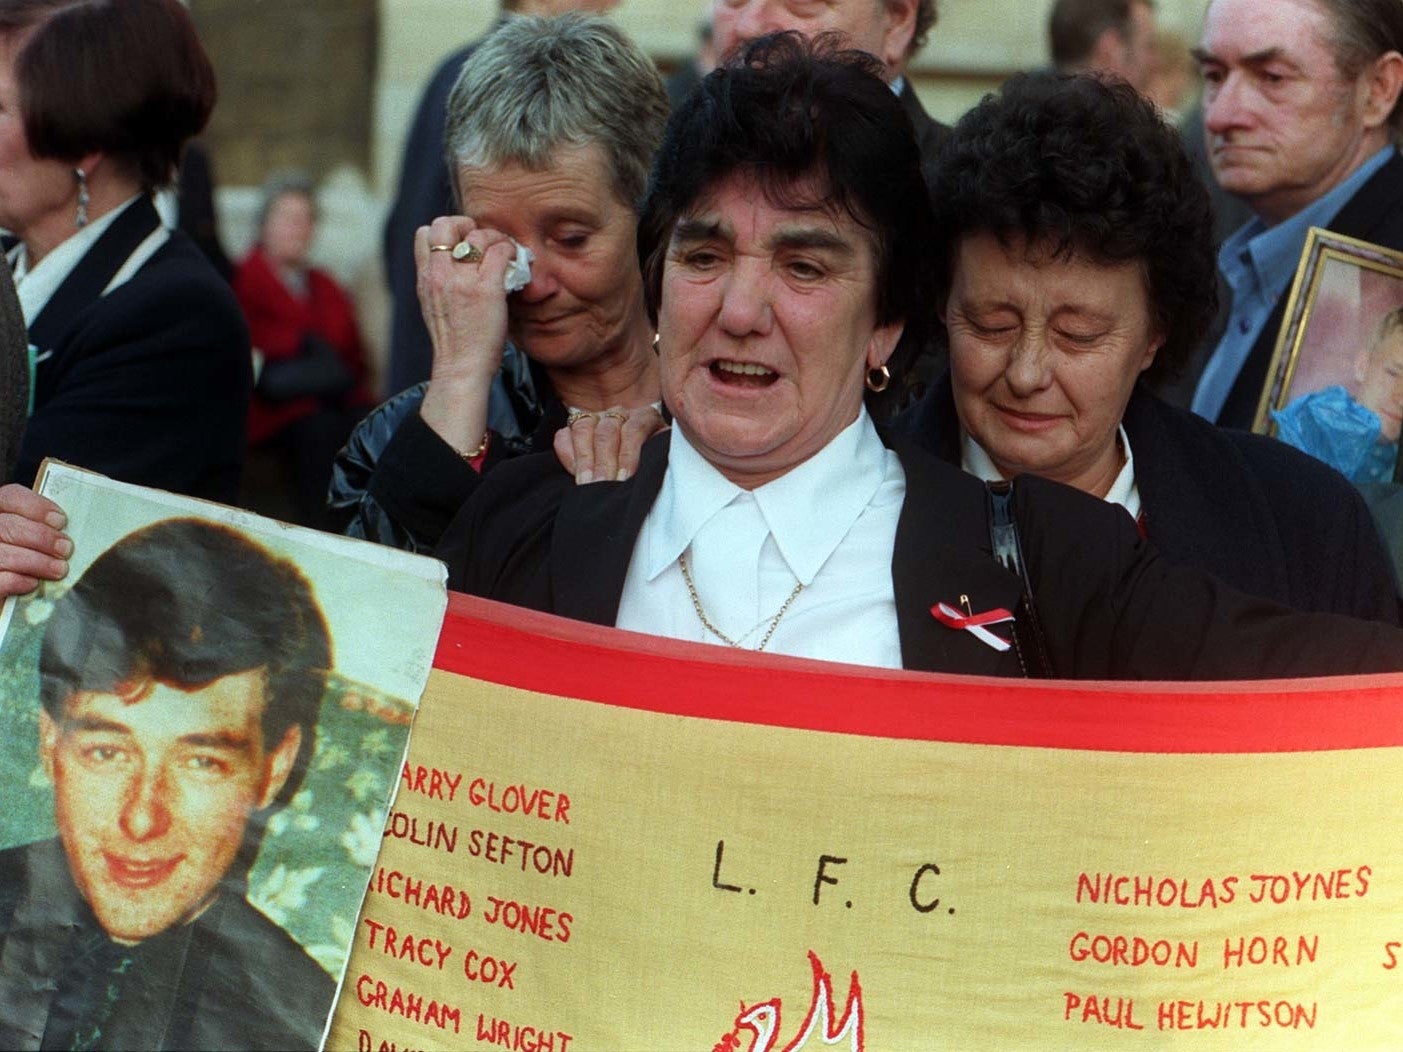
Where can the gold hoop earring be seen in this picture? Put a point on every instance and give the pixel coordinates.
(878, 379)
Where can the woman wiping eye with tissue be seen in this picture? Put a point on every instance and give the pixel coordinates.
(532, 296)
(518, 273)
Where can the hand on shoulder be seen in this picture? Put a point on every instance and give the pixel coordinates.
(605, 446)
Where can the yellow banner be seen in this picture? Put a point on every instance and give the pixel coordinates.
(592, 848)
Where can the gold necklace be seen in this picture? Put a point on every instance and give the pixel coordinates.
(706, 622)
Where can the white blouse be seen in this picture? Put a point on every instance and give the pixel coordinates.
(828, 525)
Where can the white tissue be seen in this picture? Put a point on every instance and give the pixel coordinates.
(518, 274)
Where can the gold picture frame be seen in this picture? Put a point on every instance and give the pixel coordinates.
(1344, 293)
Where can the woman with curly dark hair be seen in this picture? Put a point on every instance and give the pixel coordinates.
(1078, 265)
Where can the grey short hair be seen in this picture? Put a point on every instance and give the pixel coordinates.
(537, 84)
(279, 184)
(1362, 31)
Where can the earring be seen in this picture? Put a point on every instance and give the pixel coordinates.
(656, 339)
(82, 218)
(878, 379)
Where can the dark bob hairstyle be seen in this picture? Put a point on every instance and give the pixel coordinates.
(1085, 167)
(813, 124)
(184, 602)
(127, 78)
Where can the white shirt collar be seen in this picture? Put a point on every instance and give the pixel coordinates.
(1123, 491)
(841, 479)
(36, 285)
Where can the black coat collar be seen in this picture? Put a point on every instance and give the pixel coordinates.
(86, 281)
(943, 554)
(595, 531)
(1192, 516)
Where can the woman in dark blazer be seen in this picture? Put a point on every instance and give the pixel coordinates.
(139, 353)
(1080, 261)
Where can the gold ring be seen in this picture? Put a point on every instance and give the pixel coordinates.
(466, 252)
(614, 414)
(576, 415)
(440, 248)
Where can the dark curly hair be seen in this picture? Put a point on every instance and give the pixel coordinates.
(1086, 167)
(804, 118)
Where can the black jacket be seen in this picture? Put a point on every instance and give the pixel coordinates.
(229, 979)
(14, 375)
(930, 133)
(149, 383)
(397, 483)
(919, 361)
(1255, 513)
(1111, 607)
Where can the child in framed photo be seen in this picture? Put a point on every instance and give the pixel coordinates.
(1335, 386)
(1356, 432)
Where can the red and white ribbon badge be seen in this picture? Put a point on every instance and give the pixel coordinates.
(974, 624)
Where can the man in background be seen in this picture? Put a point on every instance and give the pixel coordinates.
(690, 71)
(425, 193)
(1301, 115)
(1107, 37)
(892, 30)
(180, 680)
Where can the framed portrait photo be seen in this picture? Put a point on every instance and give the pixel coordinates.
(1335, 385)
(205, 722)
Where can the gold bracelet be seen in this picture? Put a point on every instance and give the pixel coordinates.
(473, 454)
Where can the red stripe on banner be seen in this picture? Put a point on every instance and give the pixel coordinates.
(553, 655)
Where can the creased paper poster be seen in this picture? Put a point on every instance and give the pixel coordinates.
(608, 842)
(205, 722)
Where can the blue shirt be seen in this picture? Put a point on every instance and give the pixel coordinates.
(1258, 263)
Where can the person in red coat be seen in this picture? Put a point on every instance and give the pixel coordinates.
(311, 388)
